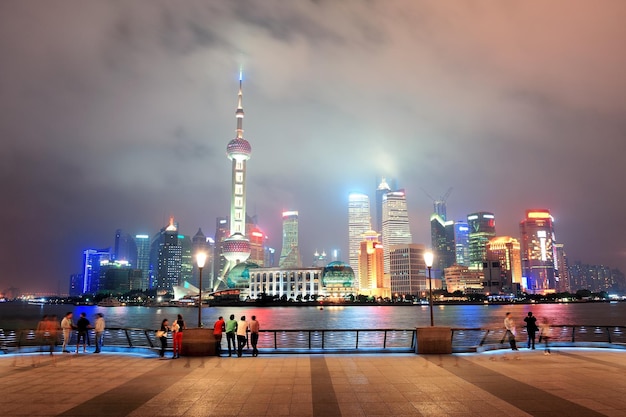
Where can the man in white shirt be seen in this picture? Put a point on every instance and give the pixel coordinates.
(99, 328)
(242, 333)
(510, 330)
(67, 326)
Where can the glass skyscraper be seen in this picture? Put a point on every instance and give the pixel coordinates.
(359, 222)
(396, 230)
(290, 253)
(537, 241)
(482, 227)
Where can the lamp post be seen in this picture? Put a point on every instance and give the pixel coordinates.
(428, 258)
(200, 260)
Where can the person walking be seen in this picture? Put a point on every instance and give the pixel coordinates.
(242, 335)
(67, 326)
(177, 335)
(531, 329)
(546, 335)
(509, 324)
(254, 335)
(218, 329)
(82, 326)
(99, 327)
(231, 328)
(162, 335)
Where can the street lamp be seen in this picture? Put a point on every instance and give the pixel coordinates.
(200, 260)
(428, 258)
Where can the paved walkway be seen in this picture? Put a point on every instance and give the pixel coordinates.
(570, 382)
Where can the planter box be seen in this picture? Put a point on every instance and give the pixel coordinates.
(436, 340)
(198, 342)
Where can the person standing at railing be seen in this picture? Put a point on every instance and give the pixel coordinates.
(99, 327)
(177, 335)
(218, 329)
(254, 335)
(509, 324)
(82, 326)
(531, 329)
(242, 335)
(231, 328)
(162, 335)
(546, 335)
(67, 326)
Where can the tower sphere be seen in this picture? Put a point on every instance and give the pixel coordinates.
(239, 148)
(236, 248)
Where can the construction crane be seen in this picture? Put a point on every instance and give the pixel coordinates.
(439, 205)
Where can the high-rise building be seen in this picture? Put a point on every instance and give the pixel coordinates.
(199, 243)
(396, 230)
(461, 278)
(142, 242)
(537, 241)
(166, 255)
(92, 259)
(371, 277)
(222, 229)
(461, 242)
(382, 189)
(506, 250)
(408, 271)
(442, 241)
(236, 247)
(562, 269)
(125, 248)
(320, 260)
(290, 252)
(359, 222)
(257, 242)
(482, 227)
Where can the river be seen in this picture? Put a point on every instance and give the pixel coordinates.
(17, 315)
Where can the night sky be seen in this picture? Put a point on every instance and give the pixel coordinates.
(117, 114)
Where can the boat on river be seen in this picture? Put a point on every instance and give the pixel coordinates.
(110, 302)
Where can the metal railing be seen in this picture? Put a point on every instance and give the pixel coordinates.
(342, 340)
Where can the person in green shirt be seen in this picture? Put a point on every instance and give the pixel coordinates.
(231, 328)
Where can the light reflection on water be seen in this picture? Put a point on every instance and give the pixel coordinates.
(18, 315)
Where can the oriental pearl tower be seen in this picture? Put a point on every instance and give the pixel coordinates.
(236, 247)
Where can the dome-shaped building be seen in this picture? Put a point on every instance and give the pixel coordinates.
(239, 276)
(338, 279)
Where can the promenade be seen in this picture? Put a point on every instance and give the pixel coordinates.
(570, 382)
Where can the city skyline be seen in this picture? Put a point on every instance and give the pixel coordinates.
(116, 116)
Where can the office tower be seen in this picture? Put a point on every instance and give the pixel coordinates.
(482, 227)
(269, 257)
(408, 274)
(371, 277)
(290, 253)
(199, 243)
(92, 259)
(506, 250)
(359, 222)
(118, 277)
(461, 278)
(142, 242)
(442, 241)
(222, 229)
(382, 189)
(236, 247)
(461, 242)
(257, 244)
(537, 241)
(396, 230)
(166, 258)
(320, 260)
(562, 269)
(124, 248)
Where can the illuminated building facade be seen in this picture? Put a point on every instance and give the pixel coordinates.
(537, 244)
(257, 243)
(290, 252)
(166, 257)
(92, 259)
(200, 243)
(236, 247)
(506, 250)
(461, 278)
(359, 222)
(396, 230)
(142, 242)
(371, 275)
(408, 274)
(443, 246)
(461, 242)
(382, 189)
(562, 269)
(482, 227)
(222, 230)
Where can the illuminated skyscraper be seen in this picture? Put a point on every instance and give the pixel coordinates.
(143, 259)
(442, 240)
(166, 257)
(537, 235)
(371, 266)
(482, 227)
(562, 268)
(92, 260)
(461, 242)
(359, 222)
(290, 253)
(408, 271)
(507, 250)
(396, 230)
(236, 247)
(382, 189)
(199, 243)
(257, 243)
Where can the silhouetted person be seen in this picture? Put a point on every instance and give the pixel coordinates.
(254, 335)
(231, 328)
(218, 329)
(162, 335)
(531, 329)
(82, 326)
(509, 324)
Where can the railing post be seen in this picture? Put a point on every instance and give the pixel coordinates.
(608, 331)
(385, 340)
(275, 344)
(482, 342)
(357, 339)
(130, 343)
(309, 340)
(322, 339)
(573, 334)
(148, 338)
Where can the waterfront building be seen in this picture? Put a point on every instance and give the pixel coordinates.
(124, 248)
(359, 222)
(442, 241)
(236, 247)
(290, 252)
(257, 243)
(461, 242)
(382, 189)
(537, 244)
(396, 230)
(407, 273)
(222, 230)
(371, 275)
(92, 258)
(482, 227)
(142, 243)
(562, 269)
(118, 277)
(200, 243)
(269, 256)
(166, 257)
(461, 278)
(506, 250)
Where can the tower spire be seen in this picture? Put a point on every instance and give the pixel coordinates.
(239, 112)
